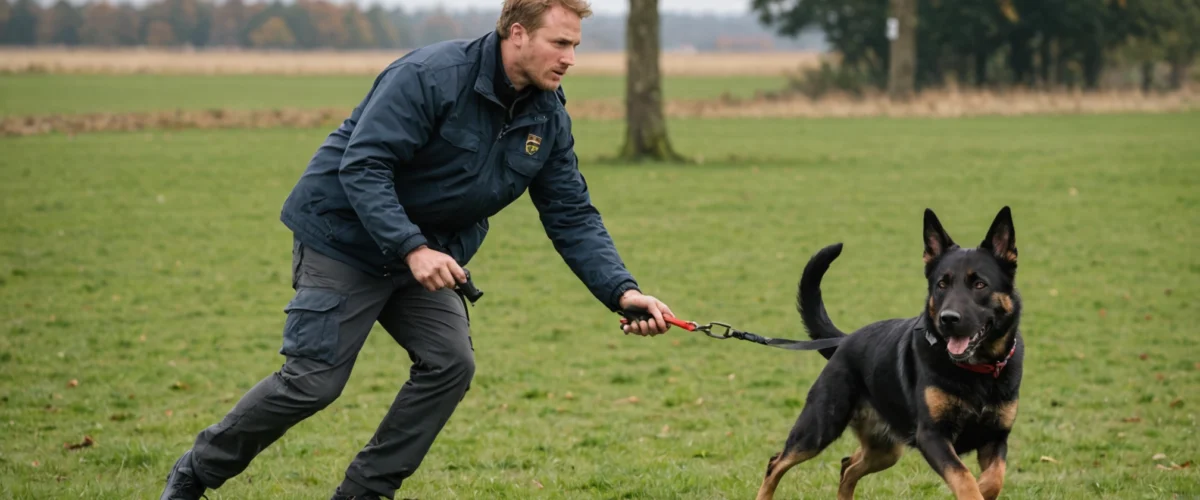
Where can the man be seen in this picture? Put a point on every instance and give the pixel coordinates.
(391, 206)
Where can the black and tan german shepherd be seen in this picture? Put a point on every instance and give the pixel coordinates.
(944, 382)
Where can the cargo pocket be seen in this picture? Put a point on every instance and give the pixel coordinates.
(311, 329)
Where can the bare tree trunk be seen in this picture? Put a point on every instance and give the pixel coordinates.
(646, 127)
(902, 31)
(1181, 64)
(1148, 76)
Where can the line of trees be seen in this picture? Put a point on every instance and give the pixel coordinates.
(303, 24)
(335, 24)
(1034, 43)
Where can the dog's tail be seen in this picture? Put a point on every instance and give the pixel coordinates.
(809, 303)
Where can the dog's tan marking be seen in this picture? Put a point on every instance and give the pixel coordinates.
(962, 483)
(867, 460)
(940, 404)
(1009, 255)
(1006, 415)
(932, 311)
(991, 480)
(777, 467)
(1004, 300)
(998, 348)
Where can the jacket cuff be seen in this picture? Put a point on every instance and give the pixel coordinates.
(614, 301)
(408, 246)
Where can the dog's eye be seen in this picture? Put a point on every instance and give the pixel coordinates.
(941, 284)
(979, 285)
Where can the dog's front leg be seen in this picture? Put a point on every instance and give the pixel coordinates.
(992, 460)
(939, 452)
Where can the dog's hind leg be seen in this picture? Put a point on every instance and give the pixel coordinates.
(826, 413)
(877, 449)
(872, 456)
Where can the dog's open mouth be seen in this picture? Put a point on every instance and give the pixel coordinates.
(961, 348)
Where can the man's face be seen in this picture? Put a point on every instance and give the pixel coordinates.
(545, 55)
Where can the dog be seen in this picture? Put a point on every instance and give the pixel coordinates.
(945, 382)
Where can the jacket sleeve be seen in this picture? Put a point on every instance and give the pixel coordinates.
(560, 194)
(396, 119)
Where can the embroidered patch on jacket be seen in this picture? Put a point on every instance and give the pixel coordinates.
(532, 143)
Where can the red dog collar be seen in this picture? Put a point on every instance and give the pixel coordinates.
(993, 368)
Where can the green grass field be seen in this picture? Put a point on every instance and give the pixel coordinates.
(49, 94)
(151, 269)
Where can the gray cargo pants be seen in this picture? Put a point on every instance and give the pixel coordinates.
(327, 322)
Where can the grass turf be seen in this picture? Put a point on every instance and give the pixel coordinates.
(142, 278)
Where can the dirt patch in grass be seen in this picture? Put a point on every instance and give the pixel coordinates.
(171, 120)
(942, 104)
(225, 62)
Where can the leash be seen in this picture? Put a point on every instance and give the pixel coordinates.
(722, 331)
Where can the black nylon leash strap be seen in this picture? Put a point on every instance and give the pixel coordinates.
(723, 331)
(792, 345)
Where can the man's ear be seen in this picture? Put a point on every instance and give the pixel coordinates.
(937, 242)
(1001, 239)
(518, 34)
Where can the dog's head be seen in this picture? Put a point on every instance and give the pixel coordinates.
(973, 305)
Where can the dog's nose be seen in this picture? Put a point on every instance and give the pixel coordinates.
(949, 317)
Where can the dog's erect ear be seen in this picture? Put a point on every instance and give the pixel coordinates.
(937, 241)
(1001, 239)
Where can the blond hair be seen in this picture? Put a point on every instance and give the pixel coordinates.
(528, 13)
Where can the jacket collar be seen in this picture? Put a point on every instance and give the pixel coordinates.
(485, 83)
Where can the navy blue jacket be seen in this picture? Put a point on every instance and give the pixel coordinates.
(431, 153)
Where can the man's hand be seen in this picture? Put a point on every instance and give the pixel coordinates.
(634, 299)
(434, 270)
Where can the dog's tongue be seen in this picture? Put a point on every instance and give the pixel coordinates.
(957, 345)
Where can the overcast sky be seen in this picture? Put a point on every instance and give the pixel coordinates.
(605, 6)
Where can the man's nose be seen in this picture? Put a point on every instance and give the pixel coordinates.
(569, 58)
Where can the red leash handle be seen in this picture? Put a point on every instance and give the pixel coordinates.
(686, 325)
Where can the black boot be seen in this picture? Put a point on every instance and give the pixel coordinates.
(350, 491)
(182, 483)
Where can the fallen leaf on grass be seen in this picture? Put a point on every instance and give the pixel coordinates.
(169, 412)
(1049, 459)
(1131, 420)
(73, 383)
(1177, 403)
(1103, 313)
(537, 484)
(35, 463)
(568, 395)
(1143, 356)
(1174, 466)
(87, 442)
(1160, 377)
(1159, 456)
